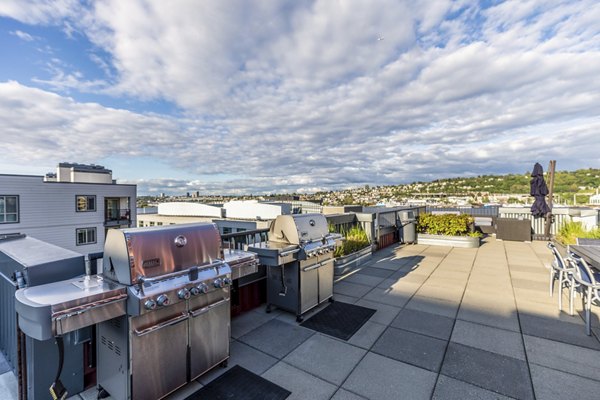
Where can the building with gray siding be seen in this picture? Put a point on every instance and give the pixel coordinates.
(72, 209)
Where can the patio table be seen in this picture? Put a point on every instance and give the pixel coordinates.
(591, 254)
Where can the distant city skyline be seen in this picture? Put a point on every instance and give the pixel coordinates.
(238, 97)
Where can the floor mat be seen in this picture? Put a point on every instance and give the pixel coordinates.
(240, 384)
(341, 320)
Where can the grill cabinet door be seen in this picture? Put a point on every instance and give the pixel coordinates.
(326, 280)
(209, 336)
(158, 360)
(309, 286)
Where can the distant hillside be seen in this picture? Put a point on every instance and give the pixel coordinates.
(582, 180)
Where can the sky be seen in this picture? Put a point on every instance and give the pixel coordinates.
(238, 97)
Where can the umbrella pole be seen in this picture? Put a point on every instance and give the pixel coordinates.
(551, 169)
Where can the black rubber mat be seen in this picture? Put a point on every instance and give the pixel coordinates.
(341, 320)
(240, 384)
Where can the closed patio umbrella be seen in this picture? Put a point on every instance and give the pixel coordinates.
(539, 190)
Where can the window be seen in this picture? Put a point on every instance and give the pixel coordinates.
(86, 236)
(85, 203)
(226, 230)
(9, 209)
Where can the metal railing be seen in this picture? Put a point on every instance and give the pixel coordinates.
(237, 240)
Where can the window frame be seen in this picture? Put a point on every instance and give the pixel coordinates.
(5, 213)
(87, 196)
(87, 229)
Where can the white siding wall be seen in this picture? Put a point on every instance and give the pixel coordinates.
(47, 209)
(250, 209)
(189, 209)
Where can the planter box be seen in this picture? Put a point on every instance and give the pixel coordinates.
(454, 241)
(344, 264)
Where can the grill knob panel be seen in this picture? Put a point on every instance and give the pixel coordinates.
(150, 304)
(219, 283)
(163, 300)
(203, 288)
(184, 294)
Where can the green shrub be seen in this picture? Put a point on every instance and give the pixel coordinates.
(570, 231)
(354, 239)
(446, 224)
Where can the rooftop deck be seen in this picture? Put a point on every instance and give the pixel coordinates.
(450, 324)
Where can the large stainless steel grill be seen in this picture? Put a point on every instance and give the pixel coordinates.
(161, 307)
(299, 257)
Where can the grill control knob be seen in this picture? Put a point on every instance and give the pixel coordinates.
(183, 294)
(195, 291)
(227, 281)
(202, 288)
(219, 283)
(163, 300)
(150, 304)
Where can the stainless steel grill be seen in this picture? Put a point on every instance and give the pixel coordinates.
(161, 307)
(299, 257)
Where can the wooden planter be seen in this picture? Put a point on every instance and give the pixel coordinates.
(344, 264)
(442, 240)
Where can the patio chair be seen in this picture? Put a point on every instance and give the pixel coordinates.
(589, 285)
(563, 272)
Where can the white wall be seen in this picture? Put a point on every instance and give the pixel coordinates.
(189, 209)
(251, 209)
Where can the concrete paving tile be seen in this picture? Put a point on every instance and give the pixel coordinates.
(244, 356)
(185, 391)
(408, 276)
(342, 394)
(545, 310)
(381, 378)
(434, 306)
(327, 358)
(550, 384)
(378, 272)
(557, 330)
(276, 338)
(249, 321)
(351, 289)
(539, 286)
(385, 296)
(385, 313)
(91, 394)
(451, 389)
(453, 293)
(564, 357)
(367, 335)
(345, 299)
(363, 279)
(500, 317)
(483, 337)
(302, 385)
(412, 348)
(495, 372)
(424, 323)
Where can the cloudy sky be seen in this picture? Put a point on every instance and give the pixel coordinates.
(267, 96)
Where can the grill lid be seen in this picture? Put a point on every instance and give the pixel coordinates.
(298, 229)
(134, 253)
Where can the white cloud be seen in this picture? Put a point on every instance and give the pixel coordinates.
(303, 95)
(23, 35)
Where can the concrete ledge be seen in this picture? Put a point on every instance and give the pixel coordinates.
(345, 264)
(454, 241)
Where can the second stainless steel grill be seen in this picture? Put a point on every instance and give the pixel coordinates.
(299, 257)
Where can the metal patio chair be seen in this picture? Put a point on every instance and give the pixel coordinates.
(589, 286)
(562, 271)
